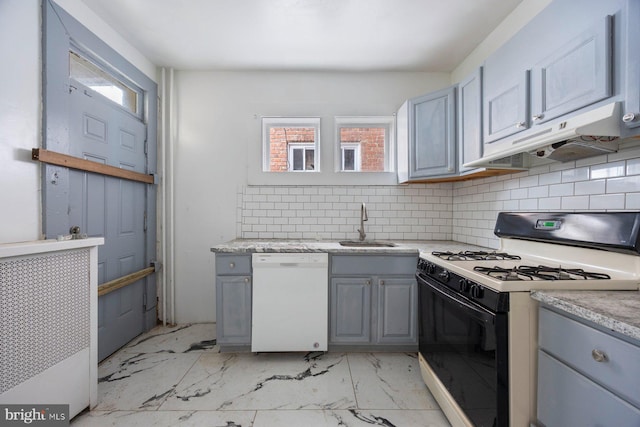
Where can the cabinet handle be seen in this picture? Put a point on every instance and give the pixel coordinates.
(246, 280)
(599, 355)
(520, 125)
(368, 282)
(629, 117)
(381, 282)
(537, 117)
(232, 265)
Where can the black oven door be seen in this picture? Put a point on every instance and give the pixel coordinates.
(466, 346)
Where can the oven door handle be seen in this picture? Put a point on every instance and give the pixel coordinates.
(470, 308)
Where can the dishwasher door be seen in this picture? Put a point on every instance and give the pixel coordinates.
(290, 302)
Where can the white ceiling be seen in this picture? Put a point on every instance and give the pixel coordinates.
(358, 35)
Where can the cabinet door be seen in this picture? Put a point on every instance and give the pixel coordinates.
(506, 108)
(397, 310)
(631, 117)
(574, 76)
(432, 140)
(233, 309)
(350, 310)
(568, 399)
(470, 119)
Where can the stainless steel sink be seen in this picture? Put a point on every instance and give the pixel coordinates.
(367, 243)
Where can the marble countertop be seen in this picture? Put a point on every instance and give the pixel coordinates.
(618, 311)
(329, 246)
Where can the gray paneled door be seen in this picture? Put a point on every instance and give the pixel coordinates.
(110, 207)
(84, 118)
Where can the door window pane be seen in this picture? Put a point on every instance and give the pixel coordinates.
(97, 79)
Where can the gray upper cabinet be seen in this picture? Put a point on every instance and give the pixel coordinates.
(631, 112)
(432, 134)
(574, 76)
(469, 103)
(569, 58)
(506, 106)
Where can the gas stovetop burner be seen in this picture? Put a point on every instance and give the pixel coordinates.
(541, 272)
(473, 256)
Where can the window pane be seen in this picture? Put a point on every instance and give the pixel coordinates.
(102, 82)
(349, 160)
(372, 146)
(309, 159)
(298, 159)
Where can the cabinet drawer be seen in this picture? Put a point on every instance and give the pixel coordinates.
(573, 343)
(568, 399)
(372, 265)
(233, 264)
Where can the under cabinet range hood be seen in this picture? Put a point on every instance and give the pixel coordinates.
(589, 134)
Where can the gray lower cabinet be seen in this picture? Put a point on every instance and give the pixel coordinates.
(586, 377)
(397, 310)
(373, 301)
(233, 300)
(350, 310)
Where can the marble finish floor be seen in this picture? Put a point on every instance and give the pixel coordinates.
(177, 377)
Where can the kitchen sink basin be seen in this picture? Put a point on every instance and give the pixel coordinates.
(367, 243)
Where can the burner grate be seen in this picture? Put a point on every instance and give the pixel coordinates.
(474, 256)
(541, 272)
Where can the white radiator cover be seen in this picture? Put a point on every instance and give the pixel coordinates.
(48, 323)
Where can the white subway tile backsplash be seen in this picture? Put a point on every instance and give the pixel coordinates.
(632, 201)
(538, 192)
(633, 167)
(561, 190)
(590, 187)
(577, 174)
(550, 178)
(627, 184)
(529, 181)
(462, 211)
(607, 201)
(549, 203)
(608, 170)
(575, 202)
(528, 205)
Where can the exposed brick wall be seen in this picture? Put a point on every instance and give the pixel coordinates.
(278, 148)
(371, 146)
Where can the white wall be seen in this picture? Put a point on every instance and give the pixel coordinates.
(19, 120)
(21, 108)
(216, 126)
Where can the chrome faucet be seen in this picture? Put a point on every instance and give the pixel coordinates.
(363, 217)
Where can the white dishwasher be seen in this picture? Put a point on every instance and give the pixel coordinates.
(290, 302)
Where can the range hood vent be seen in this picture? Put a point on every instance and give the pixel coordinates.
(592, 133)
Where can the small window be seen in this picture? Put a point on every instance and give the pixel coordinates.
(364, 144)
(290, 144)
(350, 156)
(107, 85)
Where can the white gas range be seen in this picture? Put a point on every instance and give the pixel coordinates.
(478, 324)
